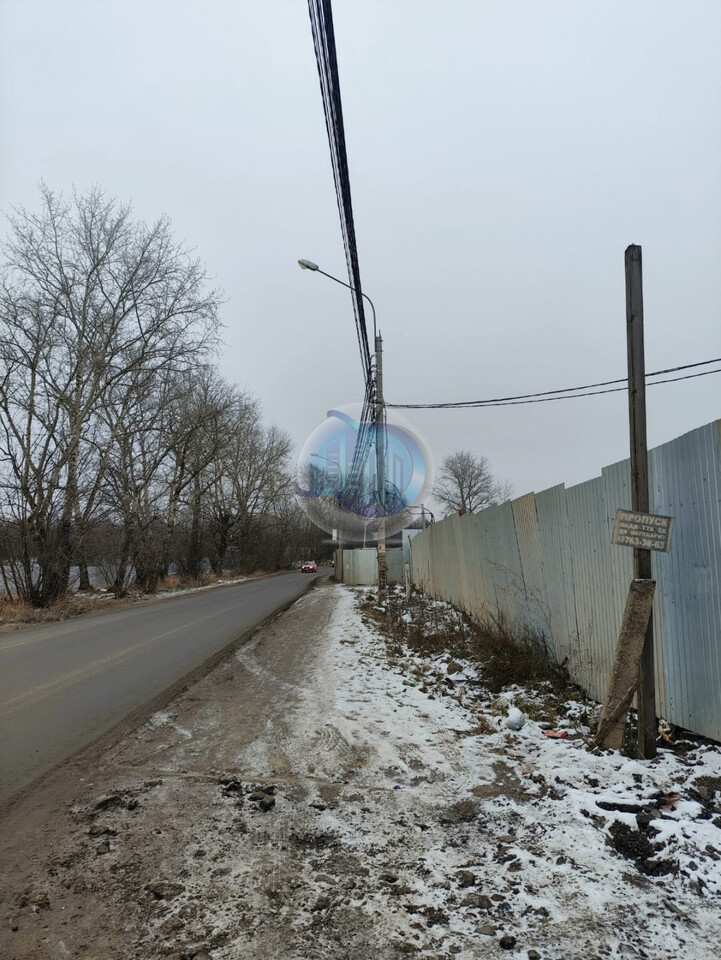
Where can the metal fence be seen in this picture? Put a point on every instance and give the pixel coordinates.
(546, 561)
(360, 567)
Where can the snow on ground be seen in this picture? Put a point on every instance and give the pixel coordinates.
(173, 592)
(327, 794)
(534, 817)
(103, 592)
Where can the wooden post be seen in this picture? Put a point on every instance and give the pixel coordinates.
(624, 677)
(639, 485)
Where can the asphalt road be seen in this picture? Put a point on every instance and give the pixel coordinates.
(64, 684)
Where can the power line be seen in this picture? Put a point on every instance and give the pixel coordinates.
(567, 393)
(321, 19)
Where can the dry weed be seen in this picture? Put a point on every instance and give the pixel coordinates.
(16, 611)
(506, 656)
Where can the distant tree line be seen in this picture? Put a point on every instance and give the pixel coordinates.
(122, 448)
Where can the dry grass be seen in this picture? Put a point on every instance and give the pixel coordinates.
(172, 582)
(179, 581)
(75, 605)
(505, 656)
(15, 611)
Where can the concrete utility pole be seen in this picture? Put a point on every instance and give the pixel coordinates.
(380, 437)
(639, 485)
(380, 469)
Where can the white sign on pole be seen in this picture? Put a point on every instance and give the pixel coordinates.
(647, 531)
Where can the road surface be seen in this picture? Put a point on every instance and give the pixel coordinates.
(64, 684)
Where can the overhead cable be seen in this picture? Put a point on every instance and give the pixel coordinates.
(566, 393)
(321, 19)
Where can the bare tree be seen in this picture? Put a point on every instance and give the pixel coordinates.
(136, 483)
(205, 423)
(120, 445)
(465, 484)
(251, 483)
(94, 308)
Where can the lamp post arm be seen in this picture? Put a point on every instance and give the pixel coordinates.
(364, 295)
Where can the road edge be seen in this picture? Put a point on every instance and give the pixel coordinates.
(127, 603)
(90, 752)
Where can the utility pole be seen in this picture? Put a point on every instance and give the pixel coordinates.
(380, 469)
(639, 485)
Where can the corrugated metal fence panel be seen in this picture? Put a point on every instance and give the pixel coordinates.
(659, 628)
(478, 603)
(394, 561)
(558, 592)
(422, 548)
(448, 534)
(452, 535)
(492, 574)
(529, 550)
(511, 560)
(501, 563)
(427, 544)
(360, 567)
(407, 536)
(686, 484)
(417, 554)
(596, 614)
(617, 495)
(431, 540)
(420, 558)
(462, 586)
(489, 564)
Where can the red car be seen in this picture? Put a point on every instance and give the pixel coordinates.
(309, 566)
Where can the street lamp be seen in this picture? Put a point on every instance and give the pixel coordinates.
(378, 417)
(317, 456)
(309, 265)
(328, 459)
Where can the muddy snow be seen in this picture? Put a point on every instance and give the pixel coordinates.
(319, 796)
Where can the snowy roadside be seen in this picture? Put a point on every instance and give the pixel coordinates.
(378, 807)
(105, 592)
(552, 834)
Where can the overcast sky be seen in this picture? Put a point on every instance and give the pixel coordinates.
(502, 156)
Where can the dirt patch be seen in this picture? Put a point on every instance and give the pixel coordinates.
(636, 845)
